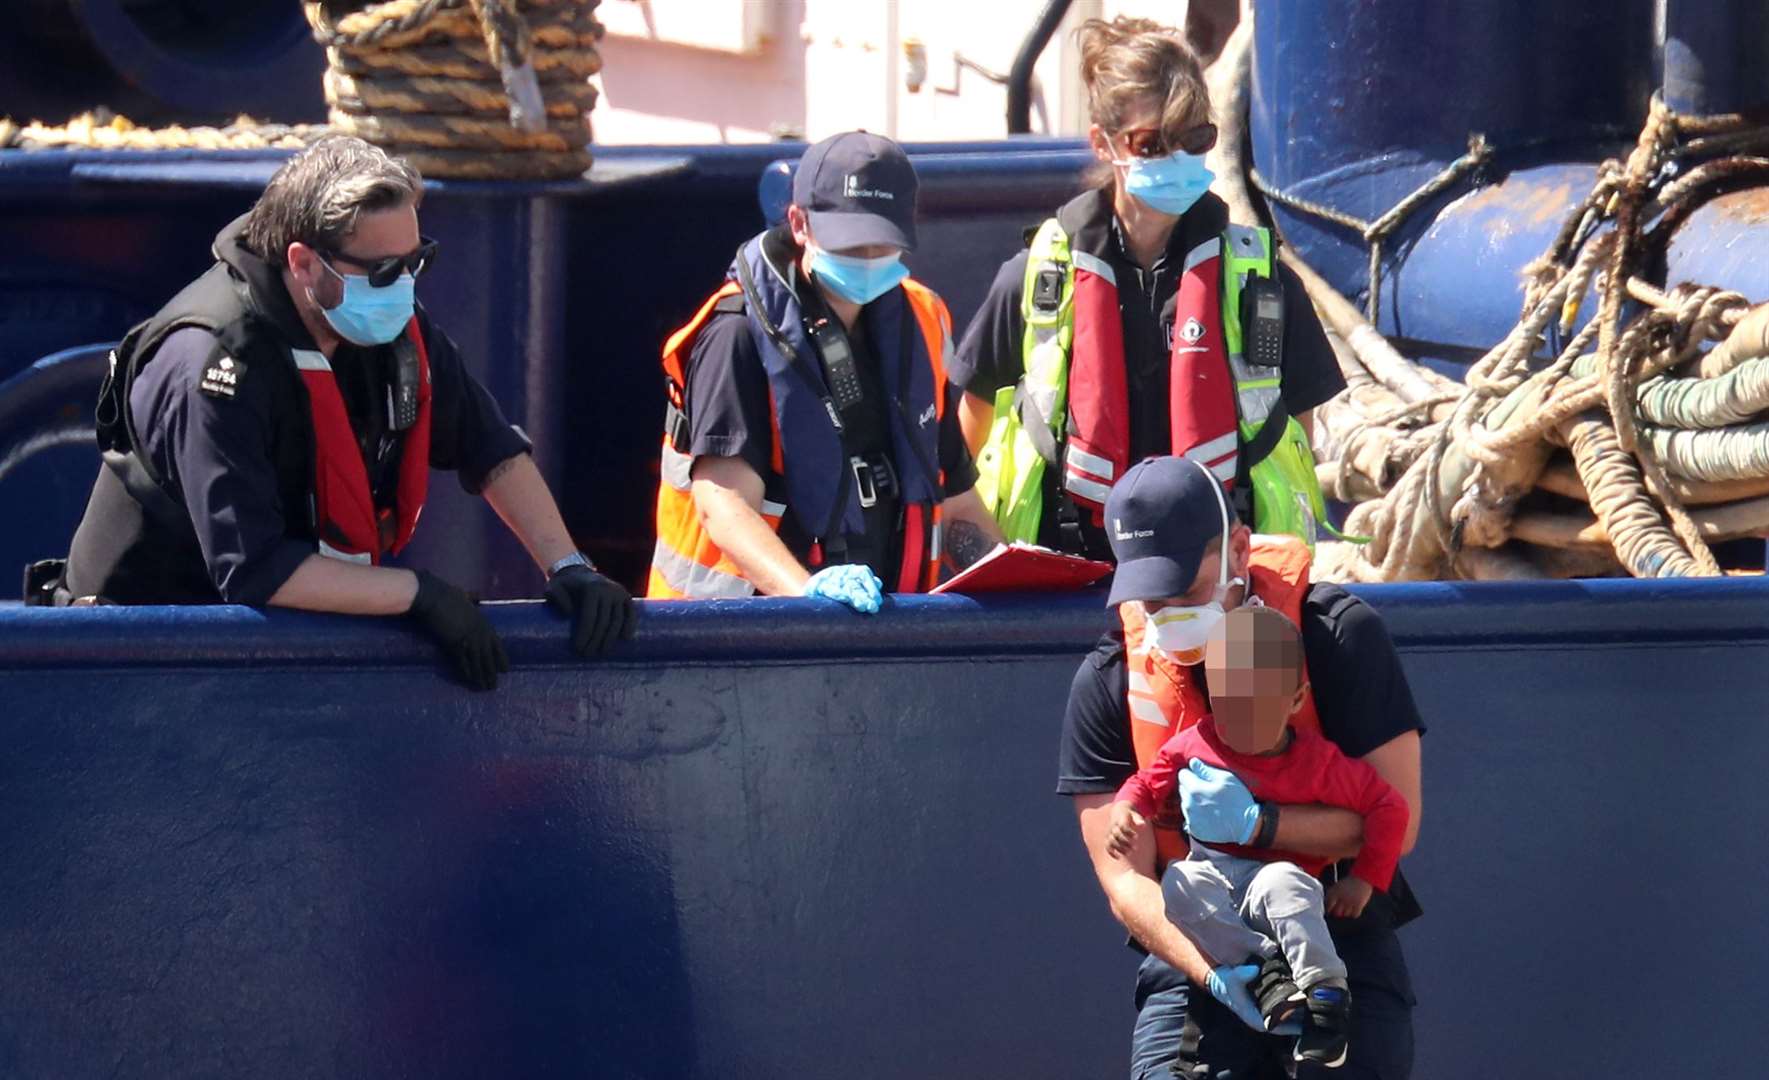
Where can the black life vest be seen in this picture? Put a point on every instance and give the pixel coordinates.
(136, 543)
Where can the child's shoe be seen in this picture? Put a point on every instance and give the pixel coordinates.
(1324, 1036)
(1274, 992)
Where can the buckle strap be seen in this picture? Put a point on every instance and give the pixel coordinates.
(874, 475)
(675, 424)
(1035, 424)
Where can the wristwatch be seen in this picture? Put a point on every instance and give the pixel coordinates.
(576, 558)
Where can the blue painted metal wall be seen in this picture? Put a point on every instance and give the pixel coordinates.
(160, 61)
(1553, 86)
(773, 839)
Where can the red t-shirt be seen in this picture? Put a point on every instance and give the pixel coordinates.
(1310, 770)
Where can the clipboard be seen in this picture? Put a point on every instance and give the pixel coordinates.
(1020, 567)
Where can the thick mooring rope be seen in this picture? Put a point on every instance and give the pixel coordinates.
(101, 130)
(464, 88)
(1636, 443)
(474, 89)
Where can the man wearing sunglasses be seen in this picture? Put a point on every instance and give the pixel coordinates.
(268, 436)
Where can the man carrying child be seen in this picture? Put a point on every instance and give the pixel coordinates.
(1253, 905)
(1184, 560)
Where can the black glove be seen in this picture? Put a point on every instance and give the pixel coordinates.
(451, 617)
(601, 611)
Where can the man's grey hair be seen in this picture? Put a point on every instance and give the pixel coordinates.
(317, 196)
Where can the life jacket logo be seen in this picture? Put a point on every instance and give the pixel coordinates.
(851, 187)
(1191, 332)
(222, 378)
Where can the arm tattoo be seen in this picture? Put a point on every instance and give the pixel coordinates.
(497, 471)
(965, 544)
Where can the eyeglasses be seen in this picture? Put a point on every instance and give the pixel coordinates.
(1149, 142)
(384, 272)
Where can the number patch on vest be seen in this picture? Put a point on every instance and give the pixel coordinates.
(222, 378)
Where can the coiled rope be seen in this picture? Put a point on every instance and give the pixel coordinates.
(474, 89)
(464, 88)
(1631, 448)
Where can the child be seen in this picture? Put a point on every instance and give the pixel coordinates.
(1260, 906)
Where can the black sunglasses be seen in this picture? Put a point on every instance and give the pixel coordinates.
(1150, 142)
(384, 272)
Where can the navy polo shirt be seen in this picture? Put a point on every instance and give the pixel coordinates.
(730, 414)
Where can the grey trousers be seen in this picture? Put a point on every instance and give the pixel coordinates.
(1234, 908)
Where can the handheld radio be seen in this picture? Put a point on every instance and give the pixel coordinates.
(402, 392)
(839, 367)
(1262, 321)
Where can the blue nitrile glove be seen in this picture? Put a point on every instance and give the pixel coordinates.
(1218, 808)
(1229, 985)
(850, 584)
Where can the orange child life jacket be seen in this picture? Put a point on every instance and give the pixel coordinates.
(348, 525)
(1164, 699)
(687, 564)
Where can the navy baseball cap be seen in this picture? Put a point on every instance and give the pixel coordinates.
(1161, 516)
(857, 188)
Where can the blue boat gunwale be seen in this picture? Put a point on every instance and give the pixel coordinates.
(1433, 616)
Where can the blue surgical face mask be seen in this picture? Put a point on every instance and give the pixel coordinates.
(370, 316)
(1169, 185)
(857, 280)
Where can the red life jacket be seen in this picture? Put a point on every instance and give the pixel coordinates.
(1164, 698)
(1200, 388)
(346, 521)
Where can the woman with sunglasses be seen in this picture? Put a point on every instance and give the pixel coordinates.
(1113, 337)
(269, 435)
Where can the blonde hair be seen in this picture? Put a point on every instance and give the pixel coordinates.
(1128, 61)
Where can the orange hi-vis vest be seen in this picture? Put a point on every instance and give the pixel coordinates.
(686, 564)
(1165, 699)
(345, 518)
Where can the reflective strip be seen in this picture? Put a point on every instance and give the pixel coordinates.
(1146, 710)
(1256, 392)
(1093, 463)
(1094, 265)
(935, 543)
(773, 509)
(678, 468)
(1138, 683)
(1222, 470)
(330, 552)
(1204, 252)
(1215, 448)
(1091, 490)
(1246, 237)
(309, 360)
(1257, 406)
(1249, 246)
(697, 582)
(1047, 359)
(1044, 398)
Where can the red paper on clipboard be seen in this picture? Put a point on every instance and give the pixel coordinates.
(1025, 568)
